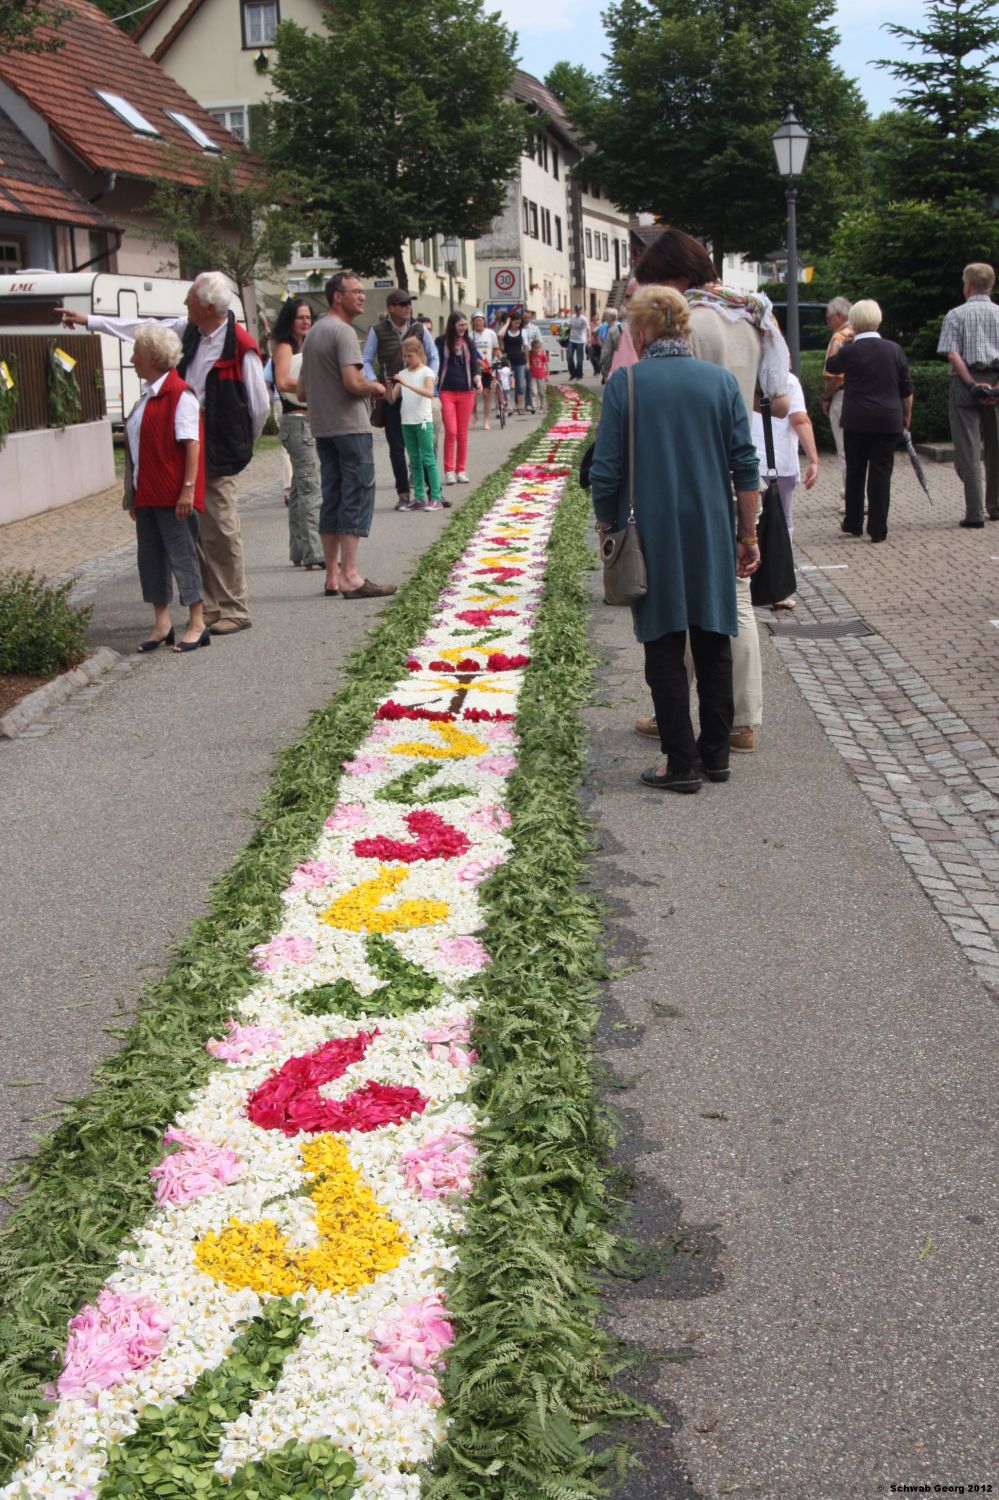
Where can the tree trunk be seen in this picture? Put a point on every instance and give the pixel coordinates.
(718, 254)
(400, 269)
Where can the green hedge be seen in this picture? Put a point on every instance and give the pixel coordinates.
(929, 408)
(41, 633)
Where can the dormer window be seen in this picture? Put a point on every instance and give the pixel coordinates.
(127, 112)
(194, 131)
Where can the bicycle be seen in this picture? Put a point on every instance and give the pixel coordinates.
(501, 398)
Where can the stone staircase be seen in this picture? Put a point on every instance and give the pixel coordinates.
(615, 296)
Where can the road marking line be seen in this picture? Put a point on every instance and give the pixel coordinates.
(828, 567)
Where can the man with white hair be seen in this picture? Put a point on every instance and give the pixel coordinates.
(838, 323)
(970, 339)
(610, 338)
(221, 364)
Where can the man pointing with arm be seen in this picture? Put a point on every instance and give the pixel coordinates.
(221, 364)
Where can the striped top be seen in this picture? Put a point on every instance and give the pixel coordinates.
(972, 331)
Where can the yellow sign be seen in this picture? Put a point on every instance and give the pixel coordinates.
(6, 378)
(64, 360)
(808, 273)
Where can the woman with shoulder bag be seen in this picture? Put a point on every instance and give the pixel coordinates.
(674, 447)
(305, 496)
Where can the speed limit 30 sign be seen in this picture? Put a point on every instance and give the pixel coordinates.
(505, 283)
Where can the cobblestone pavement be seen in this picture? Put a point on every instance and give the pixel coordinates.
(59, 543)
(912, 708)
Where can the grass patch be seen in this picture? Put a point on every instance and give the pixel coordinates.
(78, 1197)
(528, 1380)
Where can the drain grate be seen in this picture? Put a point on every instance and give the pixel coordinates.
(827, 632)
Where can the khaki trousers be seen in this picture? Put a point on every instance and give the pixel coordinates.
(835, 413)
(220, 550)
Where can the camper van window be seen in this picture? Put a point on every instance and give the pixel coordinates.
(194, 131)
(127, 112)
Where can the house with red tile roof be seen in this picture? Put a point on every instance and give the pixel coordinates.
(85, 131)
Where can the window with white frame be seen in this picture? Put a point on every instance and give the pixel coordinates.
(589, 244)
(127, 112)
(234, 120)
(260, 22)
(534, 220)
(558, 233)
(527, 215)
(606, 247)
(546, 226)
(554, 161)
(199, 136)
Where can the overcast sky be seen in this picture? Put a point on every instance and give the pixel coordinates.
(550, 30)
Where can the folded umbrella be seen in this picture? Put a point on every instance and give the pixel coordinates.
(917, 466)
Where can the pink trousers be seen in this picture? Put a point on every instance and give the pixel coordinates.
(457, 408)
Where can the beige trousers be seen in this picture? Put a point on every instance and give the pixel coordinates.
(220, 551)
(835, 413)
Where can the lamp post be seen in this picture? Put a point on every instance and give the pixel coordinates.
(791, 141)
(449, 245)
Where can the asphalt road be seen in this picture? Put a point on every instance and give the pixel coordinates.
(118, 821)
(809, 1131)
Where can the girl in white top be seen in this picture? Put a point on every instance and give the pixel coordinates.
(788, 432)
(487, 343)
(415, 389)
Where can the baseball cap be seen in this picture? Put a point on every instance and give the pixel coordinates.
(399, 297)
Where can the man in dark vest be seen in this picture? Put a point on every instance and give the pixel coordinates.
(221, 364)
(382, 358)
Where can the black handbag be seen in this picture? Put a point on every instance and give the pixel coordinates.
(585, 465)
(774, 579)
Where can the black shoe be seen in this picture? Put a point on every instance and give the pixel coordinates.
(848, 530)
(972, 525)
(714, 773)
(204, 639)
(673, 781)
(154, 645)
(879, 538)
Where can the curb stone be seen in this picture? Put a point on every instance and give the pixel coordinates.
(32, 707)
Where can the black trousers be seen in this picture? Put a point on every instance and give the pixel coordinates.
(397, 447)
(869, 456)
(666, 676)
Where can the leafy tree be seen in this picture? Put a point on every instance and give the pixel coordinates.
(231, 221)
(943, 143)
(26, 25)
(692, 94)
(128, 10)
(396, 119)
(571, 81)
(909, 257)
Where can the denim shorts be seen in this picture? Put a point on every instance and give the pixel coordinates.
(347, 475)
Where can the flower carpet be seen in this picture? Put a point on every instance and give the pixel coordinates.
(280, 1324)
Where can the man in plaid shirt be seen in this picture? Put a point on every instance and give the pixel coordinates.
(970, 339)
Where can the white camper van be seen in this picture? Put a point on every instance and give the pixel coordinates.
(30, 299)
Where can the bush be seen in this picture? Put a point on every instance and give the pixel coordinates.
(41, 633)
(930, 423)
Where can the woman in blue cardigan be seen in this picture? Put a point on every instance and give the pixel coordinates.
(692, 442)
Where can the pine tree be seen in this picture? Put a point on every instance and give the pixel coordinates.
(948, 103)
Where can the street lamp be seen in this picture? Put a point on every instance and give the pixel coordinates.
(791, 141)
(449, 245)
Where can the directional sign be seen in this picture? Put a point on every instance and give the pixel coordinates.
(505, 284)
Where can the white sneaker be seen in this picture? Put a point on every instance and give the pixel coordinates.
(461, 477)
(449, 477)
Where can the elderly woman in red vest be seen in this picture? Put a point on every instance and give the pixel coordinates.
(165, 488)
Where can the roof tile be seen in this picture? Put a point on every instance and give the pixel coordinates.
(94, 54)
(31, 189)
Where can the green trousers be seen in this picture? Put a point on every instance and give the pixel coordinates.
(305, 496)
(419, 442)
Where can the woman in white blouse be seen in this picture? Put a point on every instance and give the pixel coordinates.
(165, 488)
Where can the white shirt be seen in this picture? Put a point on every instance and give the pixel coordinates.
(785, 437)
(579, 330)
(486, 343)
(208, 351)
(416, 410)
(186, 420)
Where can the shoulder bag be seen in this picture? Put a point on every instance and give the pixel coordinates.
(774, 579)
(625, 577)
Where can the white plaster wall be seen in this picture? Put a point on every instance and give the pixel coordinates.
(45, 469)
(208, 58)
